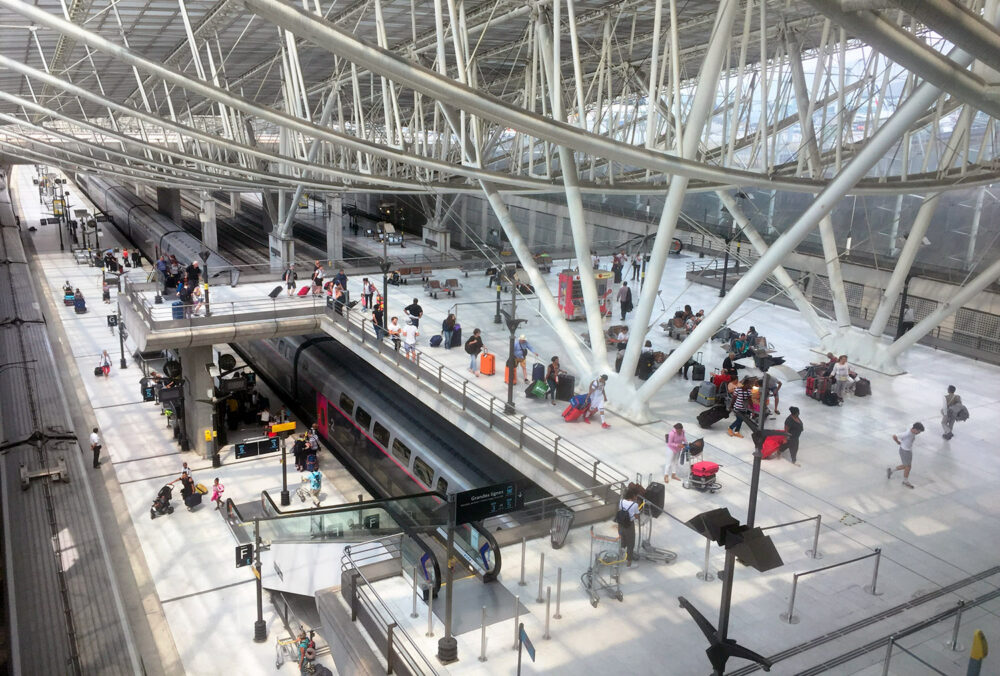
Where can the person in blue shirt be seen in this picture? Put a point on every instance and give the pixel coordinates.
(314, 481)
(521, 350)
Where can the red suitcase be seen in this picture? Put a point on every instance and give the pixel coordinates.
(488, 364)
(772, 445)
(572, 413)
(719, 379)
(304, 290)
(704, 469)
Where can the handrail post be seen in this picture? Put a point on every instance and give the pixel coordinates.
(814, 552)
(888, 655)
(524, 548)
(520, 436)
(430, 611)
(548, 606)
(440, 382)
(492, 399)
(465, 386)
(705, 575)
(555, 457)
(594, 476)
(953, 644)
(878, 558)
(517, 620)
(388, 647)
(790, 616)
(558, 592)
(414, 613)
(482, 650)
(541, 576)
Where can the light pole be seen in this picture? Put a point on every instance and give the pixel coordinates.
(384, 265)
(512, 323)
(121, 339)
(500, 272)
(204, 256)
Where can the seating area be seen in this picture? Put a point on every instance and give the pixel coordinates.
(414, 273)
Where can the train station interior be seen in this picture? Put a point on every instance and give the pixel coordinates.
(461, 338)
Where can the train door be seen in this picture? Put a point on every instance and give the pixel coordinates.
(322, 418)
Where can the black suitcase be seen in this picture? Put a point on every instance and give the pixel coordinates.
(275, 292)
(710, 416)
(654, 498)
(456, 336)
(565, 387)
(698, 372)
(98, 371)
(192, 500)
(538, 372)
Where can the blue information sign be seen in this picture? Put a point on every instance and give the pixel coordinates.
(254, 447)
(244, 555)
(480, 503)
(526, 642)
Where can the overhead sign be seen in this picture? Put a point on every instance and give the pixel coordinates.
(244, 555)
(283, 427)
(58, 206)
(254, 447)
(480, 503)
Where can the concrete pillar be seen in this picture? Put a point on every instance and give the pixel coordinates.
(335, 229)
(234, 203)
(197, 385)
(281, 251)
(168, 203)
(209, 234)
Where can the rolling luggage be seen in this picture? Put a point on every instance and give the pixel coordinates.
(707, 394)
(456, 336)
(177, 310)
(655, 493)
(817, 386)
(565, 387)
(578, 401)
(79, 306)
(311, 462)
(275, 292)
(436, 341)
(772, 445)
(863, 388)
(193, 500)
(303, 291)
(694, 394)
(68, 300)
(487, 364)
(539, 389)
(830, 398)
(98, 371)
(572, 413)
(698, 371)
(201, 488)
(719, 379)
(538, 372)
(713, 415)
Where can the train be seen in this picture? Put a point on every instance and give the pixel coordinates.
(149, 230)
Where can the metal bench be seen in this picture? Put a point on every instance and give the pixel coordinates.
(452, 286)
(432, 287)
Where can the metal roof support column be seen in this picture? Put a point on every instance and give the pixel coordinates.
(791, 289)
(827, 236)
(880, 143)
(974, 229)
(209, 233)
(701, 110)
(335, 229)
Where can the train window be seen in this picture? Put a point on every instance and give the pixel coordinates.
(442, 485)
(381, 434)
(361, 415)
(424, 472)
(346, 404)
(401, 452)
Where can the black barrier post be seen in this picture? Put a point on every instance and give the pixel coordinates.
(285, 498)
(448, 645)
(260, 626)
(121, 340)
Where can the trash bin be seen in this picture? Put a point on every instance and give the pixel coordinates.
(562, 521)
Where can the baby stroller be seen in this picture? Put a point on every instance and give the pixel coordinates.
(161, 505)
(702, 473)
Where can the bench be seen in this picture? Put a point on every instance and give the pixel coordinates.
(406, 274)
(432, 288)
(452, 286)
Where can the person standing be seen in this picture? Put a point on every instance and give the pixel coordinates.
(628, 513)
(905, 442)
(676, 441)
(410, 334)
(597, 400)
(317, 279)
(741, 407)
(952, 401)
(217, 491)
(909, 319)
(636, 266)
(552, 379)
(312, 483)
(794, 429)
(105, 363)
(447, 330)
(522, 348)
(414, 312)
(395, 330)
(289, 278)
(367, 291)
(625, 299)
(105, 291)
(773, 387)
(473, 346)
(193, 273)
(95, 447)
(378, 317)
(842, 376)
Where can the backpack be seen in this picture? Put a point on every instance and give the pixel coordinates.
(962, 413)
(622, 517)
(469, 349)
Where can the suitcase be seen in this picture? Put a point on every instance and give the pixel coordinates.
(817, 386)
(578, 401)
(698, 372)
(304, 290)
(201, 488)
(98, 371)
(508, 372)
(707, 394)
(192, 500)
(694, 394)
(863, 388)
(572, 413)
(539, 389)
(275, 292)
(704, 469)
(456, 336)
(720, 379)
(177, 310)
(311, 462)
(655, 493)
(709, 417)
(79, 306)
(830, 398)
(772, 445)
(436, 341)
(565, 387)
(68, 300)
(538, 372)
(488, 364)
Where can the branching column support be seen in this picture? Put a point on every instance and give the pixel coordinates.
(701, 109)
(827, 236)
(791, 289)
(880, 143)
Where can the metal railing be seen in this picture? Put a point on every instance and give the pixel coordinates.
(544, 445)
(400, 651)
(790, 616)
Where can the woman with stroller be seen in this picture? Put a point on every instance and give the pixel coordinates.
(676, 441)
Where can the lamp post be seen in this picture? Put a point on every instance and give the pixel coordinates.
(204, 256)
(285, 497)
(384, 265)
(512, 323)
(121, 339)
(500, 271)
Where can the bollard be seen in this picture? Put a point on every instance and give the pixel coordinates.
(814, 552)
(558, 592)
(430, 611)
(790, 616)
(871, 589)
(541, 575)
(548, 605)
(888, 656)
(482, 650)
(517, 620)
(414, 613)
(953, 644)
(524, 548)
(704, 575)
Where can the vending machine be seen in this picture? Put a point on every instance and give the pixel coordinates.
(571, 293)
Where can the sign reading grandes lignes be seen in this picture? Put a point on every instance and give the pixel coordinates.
(480, 503)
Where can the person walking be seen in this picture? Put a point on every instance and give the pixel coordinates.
(628, 513)
(676, 441)
(740, 406)
(105, 291)
(367, 291)
(625, 299)
(473, 346)
(105, 363)
(636, 266)
(414, 312)
(311, 485)
(289, 278)
(773, 387)
(95, 447)
(410, 334)
(905, 442)
(217, 490)
(447, 330)
(794, 429)
(522, 348)
(597, 401)
(378, 317)
(952, 402)
(552, 379)
(317, 279)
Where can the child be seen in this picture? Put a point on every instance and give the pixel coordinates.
(217, 491)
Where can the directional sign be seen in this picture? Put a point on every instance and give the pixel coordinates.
(244, 556)
(480, 503)
(526, 642)
(283, 427)
(254, 447)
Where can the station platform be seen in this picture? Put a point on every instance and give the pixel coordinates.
(938, 534)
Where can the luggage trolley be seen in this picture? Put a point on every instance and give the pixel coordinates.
(593, 580)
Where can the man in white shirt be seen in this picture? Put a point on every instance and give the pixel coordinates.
(95, 446)
(905, 441)
(410, 334)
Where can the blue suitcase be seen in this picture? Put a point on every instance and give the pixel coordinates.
(436, 341)
(538, 372)
(177, 310)
(456, 336)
